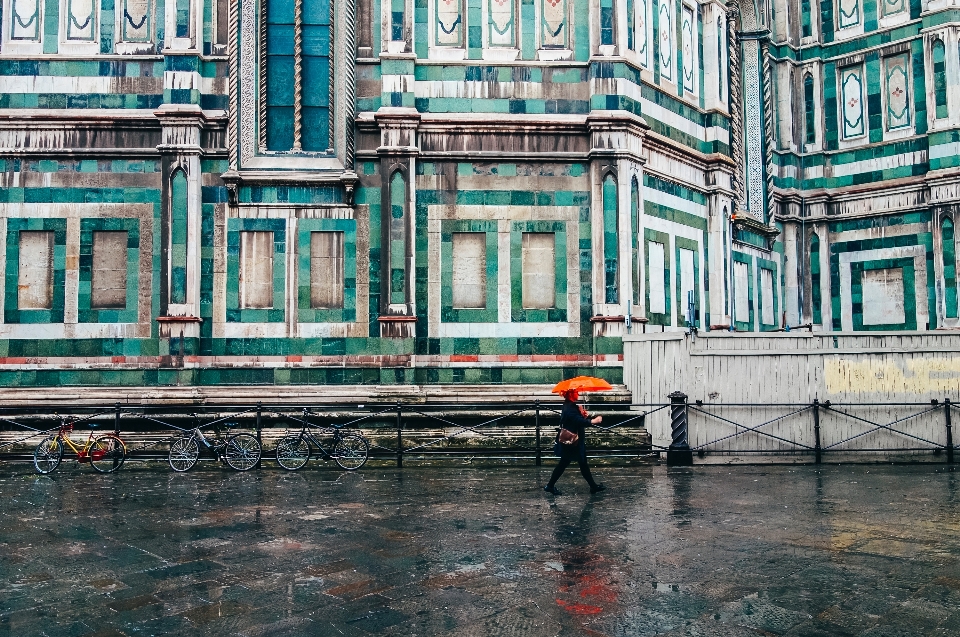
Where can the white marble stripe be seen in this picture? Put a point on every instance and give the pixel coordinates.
(878, 163)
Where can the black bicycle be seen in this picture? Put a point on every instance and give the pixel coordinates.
(241, 451)
(349, 449)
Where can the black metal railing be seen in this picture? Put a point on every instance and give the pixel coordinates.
(404, 430)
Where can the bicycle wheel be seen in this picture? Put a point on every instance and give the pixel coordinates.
(183, 453)
(107, 454)
(350, 451)
(242, 452)
(293, 452)
(47, 455)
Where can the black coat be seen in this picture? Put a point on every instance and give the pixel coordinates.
(572, 420)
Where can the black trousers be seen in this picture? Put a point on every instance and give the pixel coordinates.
(581, 457)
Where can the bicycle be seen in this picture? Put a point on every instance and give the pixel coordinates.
(241, 451)
(105, 453)
(348, 449)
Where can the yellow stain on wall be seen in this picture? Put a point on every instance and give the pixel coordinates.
(880, 375)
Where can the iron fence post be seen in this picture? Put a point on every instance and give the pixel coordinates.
(946, 411)
(679, 453)
(259, 438)
(116, 421)
(816, 428)
(538, 431)
(399, 436)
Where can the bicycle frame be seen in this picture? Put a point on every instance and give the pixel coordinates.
(82, 453)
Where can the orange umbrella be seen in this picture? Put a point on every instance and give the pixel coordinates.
(582, 383)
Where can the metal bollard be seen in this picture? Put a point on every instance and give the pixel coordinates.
(816, 429)
(679, 453)
(538, 432)
(946, 411)
(259, 437)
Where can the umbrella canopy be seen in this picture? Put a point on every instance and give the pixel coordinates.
(582, 383)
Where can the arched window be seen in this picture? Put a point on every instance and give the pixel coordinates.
(178, 237)
(815, 295)
(940, 80)
(949, 268)
(631, 26)
(611, 239)
(809, 111)
(806, 20)
(635, 242)
(297, 69)
(398, 238)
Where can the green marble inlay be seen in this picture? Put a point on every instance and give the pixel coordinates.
(611, 241)
(948, 239)
(449, 313)
(348, 312)
(11, 310)
(178, 237)
(128, 313)
(558, 313)
(236, 314)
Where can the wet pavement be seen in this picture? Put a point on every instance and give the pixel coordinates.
(464, 550)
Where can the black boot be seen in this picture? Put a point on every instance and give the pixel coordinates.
(597, 488)
(552, 489)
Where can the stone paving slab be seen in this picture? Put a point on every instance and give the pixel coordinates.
(870, 551)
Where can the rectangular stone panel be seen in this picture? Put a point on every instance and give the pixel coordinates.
(108, 278)
(256, 269)
(741, 282)
(326, 270)
(35, 283)
(469, 280)
(883, 296)
(766, 297)
(657, 264)
(686, 278)
(538, 265)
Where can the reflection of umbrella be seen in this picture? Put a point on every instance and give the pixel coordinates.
(582, 383)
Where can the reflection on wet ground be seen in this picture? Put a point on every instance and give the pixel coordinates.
(453, 550)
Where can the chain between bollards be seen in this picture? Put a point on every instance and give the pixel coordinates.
(816, 429)
(399, 436)
(679, 453)
(946, 412)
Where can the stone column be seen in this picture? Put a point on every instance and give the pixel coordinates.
(791, 272)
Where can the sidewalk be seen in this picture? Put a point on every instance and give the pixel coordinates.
(778, 550)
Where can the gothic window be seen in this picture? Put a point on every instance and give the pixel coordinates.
(806, 19)
(398, 238)
(502, 23)
(898, 91)
(851, 106)
(606, 22)
(449, 26)
(949, 268)
(611, 240)
(631, 26)
(815, 294)
(553, 24)
(297, 68)
(178, 237)
(689, 46)
(940, 80)
(809, 111)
